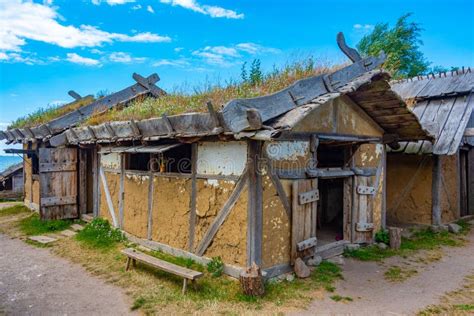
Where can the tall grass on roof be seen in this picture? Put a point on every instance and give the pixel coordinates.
(253, 82)
(46, 114)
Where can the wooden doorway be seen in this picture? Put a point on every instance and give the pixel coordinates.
(86, 180)
(466, 170)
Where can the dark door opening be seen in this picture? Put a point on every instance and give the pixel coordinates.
(330, 218)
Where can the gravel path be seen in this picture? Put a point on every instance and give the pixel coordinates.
(35, 282)
(364, 282)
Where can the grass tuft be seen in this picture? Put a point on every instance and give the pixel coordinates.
(14, 210)
(99, 234)
(424, 239)
(33, 225)
(339, 298)
(397, 274)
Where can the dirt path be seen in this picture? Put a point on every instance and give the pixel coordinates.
(34, 282)
(372, 295)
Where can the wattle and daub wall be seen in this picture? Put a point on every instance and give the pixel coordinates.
(409, 189)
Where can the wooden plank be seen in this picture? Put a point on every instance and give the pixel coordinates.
(150, 206)
(255, 210)
(436, 191)
(162, 265)
(308, 196)
(58, 201)
(222, 215)
(193, 197)
(110, 205)
(57, 167)
(351, 53)
(308, 243)
(121, 189)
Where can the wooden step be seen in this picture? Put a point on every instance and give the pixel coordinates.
(331, 250)
(87, 217)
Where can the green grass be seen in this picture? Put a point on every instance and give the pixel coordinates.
(424, 239)
(14, 210)
(99, 234)
(464, 307)
(33, 225)
(326, 274)
(397, 274)
(339, 298)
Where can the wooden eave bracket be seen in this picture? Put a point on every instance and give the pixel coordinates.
(74, 95)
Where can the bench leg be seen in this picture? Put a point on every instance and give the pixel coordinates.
(185, 285)
(194, 284)
(128, 264)
(134, 263)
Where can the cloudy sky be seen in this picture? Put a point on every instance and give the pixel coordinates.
(50, 47)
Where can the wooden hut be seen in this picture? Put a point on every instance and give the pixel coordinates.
(432, 182)
(265, 180)
(11, 181)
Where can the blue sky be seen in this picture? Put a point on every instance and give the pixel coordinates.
(50, 47)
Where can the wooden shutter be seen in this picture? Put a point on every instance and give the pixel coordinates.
(363, 208)
(58, 183)
(304, 209)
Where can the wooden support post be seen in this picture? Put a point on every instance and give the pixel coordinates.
(185, 285)
(121, 189)
(395, 234)
(255, 206)
(82, 181)
(192, 202)
(150, 206)
(108, 197)
(384, 189)
(127, 267)
(95, 183)
(436, 191)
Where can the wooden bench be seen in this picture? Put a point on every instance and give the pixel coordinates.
(187, 274)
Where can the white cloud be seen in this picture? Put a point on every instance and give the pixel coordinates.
(136, 7)
(178, 49)
(168, 62)
(112, 2)
(149, 8)
(365, 27)
(97, 51)
(228, 55)
(16, 57)
(121, 57)
(212, 11)
(21, 21)
(3, 56)
(77, 59)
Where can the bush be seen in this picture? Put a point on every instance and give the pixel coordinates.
(215, 267)
(382, 236)
(99, 234)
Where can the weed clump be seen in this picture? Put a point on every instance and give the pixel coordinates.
(99, 234)
(382, 236)
(33, 225)
(215, 267)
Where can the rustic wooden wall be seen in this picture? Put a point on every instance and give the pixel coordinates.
(32, 189)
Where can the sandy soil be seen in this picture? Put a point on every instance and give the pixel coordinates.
(373, 295)
(34, 282)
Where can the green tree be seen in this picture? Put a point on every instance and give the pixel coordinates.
(401, 44)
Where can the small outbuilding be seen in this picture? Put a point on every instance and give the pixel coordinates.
(11, 181)
(432, 182)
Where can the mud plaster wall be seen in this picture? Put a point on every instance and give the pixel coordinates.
(230, 242)
(370, 156)
(113, 182)
(409, 193)
(288, 154)
(135, 204)
(170, 215)
(276, 241)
